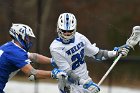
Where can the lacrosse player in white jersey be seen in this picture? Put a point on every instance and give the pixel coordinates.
(68, 52)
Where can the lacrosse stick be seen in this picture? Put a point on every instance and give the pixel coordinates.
(131, 42)
(108, 71)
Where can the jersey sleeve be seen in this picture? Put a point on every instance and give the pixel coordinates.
(90, 49)
(18, 58)
(60, 60)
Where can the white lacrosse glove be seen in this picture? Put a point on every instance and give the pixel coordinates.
(58, 74)
(122, 50)
(90, 86)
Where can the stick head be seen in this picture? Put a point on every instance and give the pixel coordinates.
(134, 38)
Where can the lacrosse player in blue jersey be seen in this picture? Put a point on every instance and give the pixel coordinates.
(68, 52)
(14, 56)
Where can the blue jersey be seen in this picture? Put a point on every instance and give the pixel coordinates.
(12, 58)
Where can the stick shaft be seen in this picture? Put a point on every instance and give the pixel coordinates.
(106, 74)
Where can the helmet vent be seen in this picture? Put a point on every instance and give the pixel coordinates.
(67, 19)
(72, 21)
(61, 21)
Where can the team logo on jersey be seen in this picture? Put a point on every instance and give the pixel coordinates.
(75, 48)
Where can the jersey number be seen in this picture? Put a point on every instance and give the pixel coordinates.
(78, 59)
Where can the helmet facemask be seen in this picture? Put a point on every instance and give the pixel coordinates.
(66, 38)
(26, 43)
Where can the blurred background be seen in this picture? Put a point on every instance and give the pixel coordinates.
(108, 23)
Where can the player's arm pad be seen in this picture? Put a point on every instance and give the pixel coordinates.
(33, 57)
(32, 74)
(104, 54)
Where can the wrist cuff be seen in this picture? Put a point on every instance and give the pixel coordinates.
(112, 54)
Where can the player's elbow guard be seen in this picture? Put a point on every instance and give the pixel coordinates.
(105, 54)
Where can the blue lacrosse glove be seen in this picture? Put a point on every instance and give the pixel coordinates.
(122, 50)
(58, 74)
(91, 86)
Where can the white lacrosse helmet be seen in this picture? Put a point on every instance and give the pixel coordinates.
(66, 23)
(22, 33)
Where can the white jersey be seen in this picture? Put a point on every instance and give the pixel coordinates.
(71, 56)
